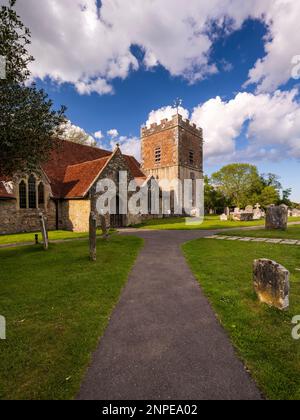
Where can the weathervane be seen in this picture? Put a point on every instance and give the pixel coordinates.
(177, 104)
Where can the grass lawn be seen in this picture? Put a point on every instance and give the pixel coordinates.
(30, 237)
(57, 305)
(293, 232)
(210, 223)
(261, 335)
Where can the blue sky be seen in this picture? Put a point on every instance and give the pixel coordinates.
(241, 123)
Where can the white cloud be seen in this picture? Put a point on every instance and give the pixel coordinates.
(98, 135)
(72, 42)
(113, 133)
(166, 112)
(129, 146)
(282, 44)
(76, 134)
(271, 123)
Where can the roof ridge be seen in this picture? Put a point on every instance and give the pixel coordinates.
(84, 145)
(88, 161)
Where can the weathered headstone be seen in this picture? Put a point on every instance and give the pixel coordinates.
(271, 283)
(44, 231)
(223, 218)
(246, 217)
(93, 236)
(249, 209)
(277, 217)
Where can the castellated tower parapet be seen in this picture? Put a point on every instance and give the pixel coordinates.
(166, 124)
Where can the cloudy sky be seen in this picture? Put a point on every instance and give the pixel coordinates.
(119, 64)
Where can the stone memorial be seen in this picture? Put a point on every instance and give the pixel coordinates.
(277, 217)
(223, 218)
(271, 283)
(257, 212)
(249, 209)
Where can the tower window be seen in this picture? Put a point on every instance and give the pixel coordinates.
(191, 157)
(158, 155)
(22, 195)
(32, 192)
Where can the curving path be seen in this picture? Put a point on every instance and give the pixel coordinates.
(163, 340)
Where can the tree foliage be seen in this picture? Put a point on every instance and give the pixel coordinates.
(28, 121)
(237, 182)
(239, 185)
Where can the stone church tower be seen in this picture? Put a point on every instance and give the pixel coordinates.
(172, 150)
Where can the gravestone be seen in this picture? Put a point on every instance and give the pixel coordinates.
(246, 217)
(271, 283)
(223, 218)
(277, 217)
(257, 212)
(249, 209)
(295, 213)
(44, 231)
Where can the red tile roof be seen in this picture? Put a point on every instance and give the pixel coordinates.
(72, 169)
(68, 154)
(79, 178)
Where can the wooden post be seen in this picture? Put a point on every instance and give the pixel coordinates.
(105, 229)
(44, 232)
(93, 236)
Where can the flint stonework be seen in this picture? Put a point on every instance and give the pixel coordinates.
(271, 283)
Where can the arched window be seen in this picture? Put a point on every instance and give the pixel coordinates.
(23, 195)
(32, 192)
(41, 195)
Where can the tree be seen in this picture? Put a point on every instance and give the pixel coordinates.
(286, 197)
(268, 196)
(14, 39)
(213, 199)
(271, 180)
(76, 135)
(27, 119)
(238, 182)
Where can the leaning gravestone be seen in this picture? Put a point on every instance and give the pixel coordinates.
(277, 217)
(271, 283)
(44, 231)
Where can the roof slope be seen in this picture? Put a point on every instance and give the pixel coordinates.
(72, 169)
(79, 178)
(68, 154)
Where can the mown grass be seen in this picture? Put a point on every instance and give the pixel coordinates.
(179, 223)
(293, 232)
(209, 223)
(30, 237)
(57, 305)
(261, 335)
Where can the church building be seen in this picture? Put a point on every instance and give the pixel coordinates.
(62, 188)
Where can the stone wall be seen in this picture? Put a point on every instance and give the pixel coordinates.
(74, 215)
(15, 220)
